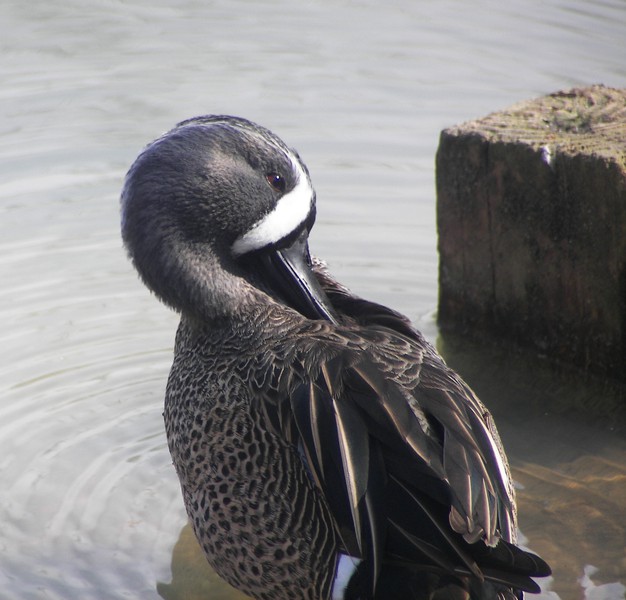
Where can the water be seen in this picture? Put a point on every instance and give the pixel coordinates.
(89, 503)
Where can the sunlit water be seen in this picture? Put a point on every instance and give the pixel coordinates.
(89, 502)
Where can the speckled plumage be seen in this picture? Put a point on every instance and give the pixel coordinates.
(309, 428)
(261, 521)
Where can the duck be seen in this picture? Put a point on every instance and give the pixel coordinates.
(325, 451)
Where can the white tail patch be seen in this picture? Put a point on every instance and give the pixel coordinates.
(346, 566)
(289, 213)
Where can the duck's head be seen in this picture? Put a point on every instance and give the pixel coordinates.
(218, 211)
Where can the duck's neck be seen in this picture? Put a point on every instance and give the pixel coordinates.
(192, 280)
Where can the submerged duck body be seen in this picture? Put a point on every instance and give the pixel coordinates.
(324, 449)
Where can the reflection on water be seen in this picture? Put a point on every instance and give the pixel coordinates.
(89, 502)
(568, 457)
(192, 578)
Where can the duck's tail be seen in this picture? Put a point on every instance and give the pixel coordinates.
(397, 582)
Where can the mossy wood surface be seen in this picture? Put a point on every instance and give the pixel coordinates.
(531, 211)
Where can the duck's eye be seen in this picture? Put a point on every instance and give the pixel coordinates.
(276, 181)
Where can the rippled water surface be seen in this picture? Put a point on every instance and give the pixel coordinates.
(89, 502)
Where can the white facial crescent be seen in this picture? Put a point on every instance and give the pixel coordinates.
(288, 214)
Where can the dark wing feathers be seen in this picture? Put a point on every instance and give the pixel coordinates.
(361, 436)
(382, 506)
(346, 463)
(482, 504)
(386, 404)
(468, 460)
(354, 449)
(405, 454)
(423, 523)
(305, 407)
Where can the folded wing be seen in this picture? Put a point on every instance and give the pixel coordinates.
(408, 459)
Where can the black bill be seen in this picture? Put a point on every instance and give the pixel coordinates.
(289, 273)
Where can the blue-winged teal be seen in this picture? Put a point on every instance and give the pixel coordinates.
(324, 449)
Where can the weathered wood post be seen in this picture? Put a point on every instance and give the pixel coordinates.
(531, 215)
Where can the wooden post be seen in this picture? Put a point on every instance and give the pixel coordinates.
(531, 215)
